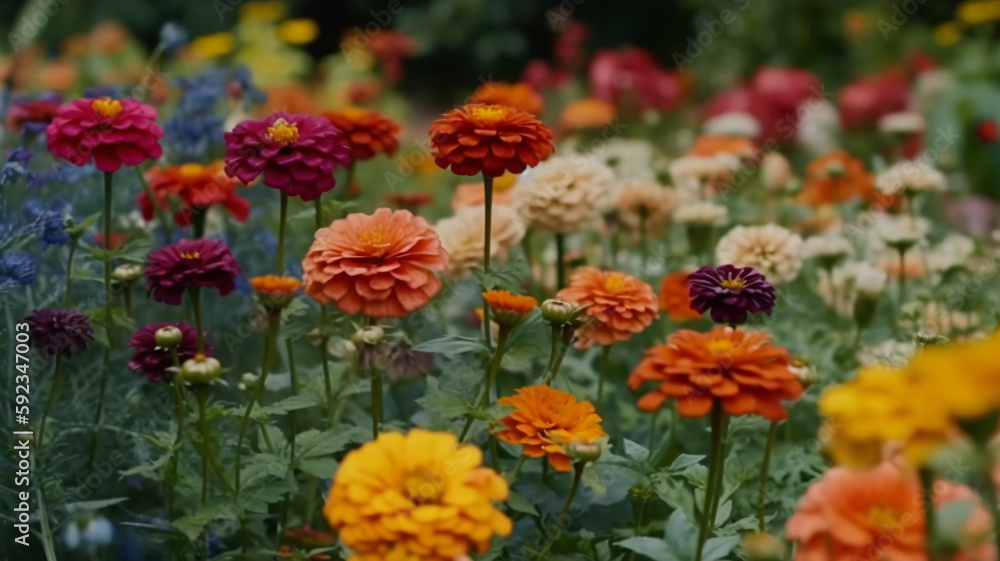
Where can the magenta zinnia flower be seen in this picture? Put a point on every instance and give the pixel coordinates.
(190, 263)
(154, 361)
(297, 153)
(113, 132)
(59, 332)
(731, 292)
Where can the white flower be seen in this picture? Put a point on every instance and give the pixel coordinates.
(656, 201)
(904, 122)
(630, 159)
(565, 194)
(777, 171)
(773, 251)
(818, 123)
(462, 236)
(128, 272)
(735, 123)
(951, 252)
(929, 86)
(837, 289)
(701, 213)
(888, 353)
(900, 230)
(868, 280)
(910, 176)
(827, 246)
(690, 172)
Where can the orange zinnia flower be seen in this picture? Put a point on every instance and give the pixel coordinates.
(835, 177)
(489, 139)
(380, 265)
(409, 201)
(274, 285)
(520, 96)
(675, 297)
(509, 309)
(586, 114)
(707, 146)
(742, 370)
(546, 420)
(196, 187)
(367, 132)
(618, 305)
(878, 514)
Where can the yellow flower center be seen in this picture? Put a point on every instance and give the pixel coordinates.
(375, 241)
(489, 114)
(190, 171)
(354, 112)
(424, 487)
(720, 346)
(107, 107)
(615, 283)
(282, 132)
(190, 255)
(883, 517)
(734, 284)
(200, 357)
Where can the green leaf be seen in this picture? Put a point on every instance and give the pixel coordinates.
(84, 506)
(521, 356)
(508, 277)
(292, 403)
(953, 516)
(443, 402)
(680, 535)
(717, 548)
(323, 468)
(451, 345)
(134, 250)
(193, 524)
(149, 470)
(685, 461)
(87, 222)
(635, 452)
(518, 503)
(653, 548)
(312, 443)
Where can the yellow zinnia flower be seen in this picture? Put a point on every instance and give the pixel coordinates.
(262, 11)
(214, 45)
(418, 495)
(882, 406)
(298, 31)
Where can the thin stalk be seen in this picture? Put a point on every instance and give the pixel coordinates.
(67, 293)
(377, 398)
(560, 261)
(198, 218)
(157, 209)
(765, 468)
(560, 344)
(605, 364)
(577, 476)
(512, 476)
(930, 516)
(714, 467)
(127, 297)
(487, 251)
(199, 318)
(350, 180)
(293, 419)
(652, 428)
(671, 444)
(47, 546)
(272, 333)
(282, 221)
(491, 374)
(57, 380)
(178, 386)
(108, 318)
(202, 395)
(529, 259)
(318, 203)
(327, 383)
(902, 280)
(643, 242)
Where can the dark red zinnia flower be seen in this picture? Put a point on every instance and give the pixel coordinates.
(59, 332)
(987, 131)
(732, 293)
(113, 132)
(153, 360)
(296, 153)
(187, 264)
(32, 115)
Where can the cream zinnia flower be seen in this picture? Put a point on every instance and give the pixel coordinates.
(827, 246)
(691, 172)
(701, 213)
(904, 122)
(910, 177)
(564, 194)
(636, 197)
(734, 123)
(462, 236)
(836, 288)
(774, 251)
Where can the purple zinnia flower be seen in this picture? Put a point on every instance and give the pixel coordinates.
(153, 360)
(731, 292)
(190, 263)
(296, 153)
(58, 332)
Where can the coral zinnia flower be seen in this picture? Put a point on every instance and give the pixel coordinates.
(489, 139)
(742, 370)
(59, 332)
(297, 153)
(509, 309)
(154, 361)
(618, 305)
(172, 270)
(878, 514)
(883, 406)
(731, 292)
(708, 146)
(113, 132)
(675, 298)
(197, 187)
(835, 177)
(520, 96)
(586, 114)
(547, 420)
(380, 265)
(367, 132)
(418, 495)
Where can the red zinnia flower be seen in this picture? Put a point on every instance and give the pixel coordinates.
(113, 132)
(32, 115)
(187, 264)
(197, 187)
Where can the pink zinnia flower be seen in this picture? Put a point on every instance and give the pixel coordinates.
(113, 132)
(187, 264)
(297, 153)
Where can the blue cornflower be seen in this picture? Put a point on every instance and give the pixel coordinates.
(114, 92)
(70, 174)
(16, 269)
(173, 36)
(201, 92)
(49, 223)
(250, 92)
(16, 167)
(193, 134)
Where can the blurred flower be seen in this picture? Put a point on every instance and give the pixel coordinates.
(987, 131)
(406, 363)
(701, 213)
(955, 251)
(489, 139)
(95, 92)
(565, 194)
(629, 158)
(647, 201)
(89, 531)
(172, 36)
(772, 250)
(213, 45)
(908, 178)
(546, 421)
(509, 309)
(292, 98)
(59, 332)
(632, 79)
(900, 231)
(298, 31)
(200, 370)
(349, 260)
(903, 122)
(586, 114)
(196, 187)
(48, 223)
(410, 201)
(193, 134)
(32, 116)
(367, 132)
(520, 96)
(462, 236)
(761, 546)
(708, 146)
(836, 288)
(963, 378)
(543, 77)
(736, 123)
(437, 498)
(888, 353)
(866, 100)
(834, 178)
(730, 293)
(16, 269)
(675, 298)
(174, 269)
(117, 240)
(243, 86)
(743, 371)
(112, 132)
(275, 290)
(296, 153)
(154, 360)
(474, 194)
(869, 281)
(827, 248)
(691, 173)
(618, 305)
(391, 47)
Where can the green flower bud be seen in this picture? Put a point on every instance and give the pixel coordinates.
(200, 370)
(168, 337)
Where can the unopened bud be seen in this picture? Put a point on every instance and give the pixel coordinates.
(127, 273)
(168, 337)
(761, 546)
(805, 373)
(368, 335)
(200, 370)
(562, 312)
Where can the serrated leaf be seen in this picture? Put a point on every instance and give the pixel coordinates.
(193, 524)
(323, 468)
(520, 504)
(451, 345)
(652, 548)
(312, 443)
(87, 222)
(292, 403)
(725, 510)
(680, 535)
(508, 277)
(150, 470)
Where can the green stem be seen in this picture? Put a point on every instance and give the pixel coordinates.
(327, 383)
(127, 296)
(198, 218)
(318, 204)
(350, 180)
(108, 317)
(715, 462)
(529, 259)
(491, 374)
(178, 386)
(487, 251)
(272, 333)
(282, 221)
(560, 262)
(930, 516)
(67, 293)
(157, 209)
(512, 476)
(202, 395)
(643, 242)
(665, 453)
(47, 546)
(376, 380)
(293, 420)
(652, 428)
(57, 380)
(561, 337)
(577, 476)
(605, 364)
(765, 468)
(199, 318)
(902, 281)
